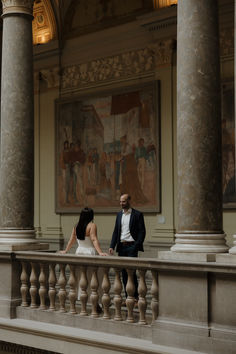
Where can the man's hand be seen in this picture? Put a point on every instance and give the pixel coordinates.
(111, 251)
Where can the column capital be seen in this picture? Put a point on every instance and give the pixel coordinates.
(163, 51)
(17, 7)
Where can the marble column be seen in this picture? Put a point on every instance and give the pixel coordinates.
(199, 129)
(233, 249)
(17, 128)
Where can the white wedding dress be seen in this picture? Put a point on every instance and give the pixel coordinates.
(85, 247)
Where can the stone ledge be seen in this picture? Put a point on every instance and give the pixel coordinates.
(68, 340)
(188, 257)
(226, 258)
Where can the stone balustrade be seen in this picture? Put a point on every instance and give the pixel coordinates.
(50, 282)
(187, 305)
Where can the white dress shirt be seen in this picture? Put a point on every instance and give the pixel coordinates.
(125, 231)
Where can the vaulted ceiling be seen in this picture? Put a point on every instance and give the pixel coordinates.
(69, 18)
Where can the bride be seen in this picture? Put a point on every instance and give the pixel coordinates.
(85, 232)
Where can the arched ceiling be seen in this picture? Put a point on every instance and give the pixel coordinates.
(69, 18)
(44, 23)
(163, 3)
(91, 15)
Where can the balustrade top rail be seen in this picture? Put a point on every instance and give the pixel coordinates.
(119, 262)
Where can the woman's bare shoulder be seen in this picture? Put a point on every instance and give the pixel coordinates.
(91, 227)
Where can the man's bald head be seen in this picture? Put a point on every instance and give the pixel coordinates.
(125, 201)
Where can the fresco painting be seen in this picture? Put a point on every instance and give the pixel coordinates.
(228, 145)
(108, 145)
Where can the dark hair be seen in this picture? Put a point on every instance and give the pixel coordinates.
(86, 216)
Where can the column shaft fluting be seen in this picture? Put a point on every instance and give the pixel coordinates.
(198, 129)
(17, 125)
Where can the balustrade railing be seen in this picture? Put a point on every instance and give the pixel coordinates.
(69, 283)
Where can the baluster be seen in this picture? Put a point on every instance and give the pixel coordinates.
(24, 285)
(52, 287)
(72, 292)
(154, 292)
(142, 303)
(94, 293)
(130, 288)
(117, 298)
(106, 300)
(33, 285)
(83, 284)
(62, 291)
(42, 288)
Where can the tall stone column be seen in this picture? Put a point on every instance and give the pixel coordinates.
(233, 249)
(199, 129)
(17, 128)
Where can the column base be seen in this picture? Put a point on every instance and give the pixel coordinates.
(200, 243)
(20, 240)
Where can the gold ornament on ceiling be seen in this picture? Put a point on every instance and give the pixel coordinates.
(44, 24)
(163, 3)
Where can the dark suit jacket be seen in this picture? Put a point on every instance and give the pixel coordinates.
(137, 230)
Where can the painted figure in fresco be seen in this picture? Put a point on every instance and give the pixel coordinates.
(141, 157)
(117, 174)
(91, 179)
(128, 235)
(105, 183)
(151, 154)
(228, 154)
(95, 164)
(65, 167)
(77, 162)
(129, 173)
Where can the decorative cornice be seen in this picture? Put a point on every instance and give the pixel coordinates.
(159, 25)
(129, 64)
(126, 65)
(17, 7)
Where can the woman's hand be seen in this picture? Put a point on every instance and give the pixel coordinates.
(103, 254)
(62, 252)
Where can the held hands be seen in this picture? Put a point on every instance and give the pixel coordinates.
(62, 252)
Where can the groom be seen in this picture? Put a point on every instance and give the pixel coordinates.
(128, 235)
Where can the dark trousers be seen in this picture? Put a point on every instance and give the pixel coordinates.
(129, 251)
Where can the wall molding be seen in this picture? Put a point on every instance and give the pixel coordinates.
(125, 66)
